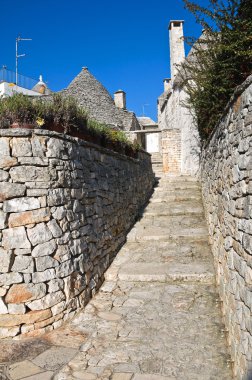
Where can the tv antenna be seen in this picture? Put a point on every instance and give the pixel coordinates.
(18, 39)
(144, 105)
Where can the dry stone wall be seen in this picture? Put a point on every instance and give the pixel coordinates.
(226, 171)
(65, 209)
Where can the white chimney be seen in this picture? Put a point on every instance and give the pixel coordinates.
(177, 48)
(167, 84)
(120, 99)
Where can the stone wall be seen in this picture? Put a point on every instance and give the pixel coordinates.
(171, 150)
(226, 171)
(65, 209)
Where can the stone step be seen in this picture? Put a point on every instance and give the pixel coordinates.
(151, 272)
(154, 233)
(174, 208)
(180, 251)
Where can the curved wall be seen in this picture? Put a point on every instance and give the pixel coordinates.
(65, 209)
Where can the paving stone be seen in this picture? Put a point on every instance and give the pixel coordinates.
(23, 370)
(54, 358)
(41, 376)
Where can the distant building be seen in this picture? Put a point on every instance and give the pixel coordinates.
(152, 135)
(93, 97)
(180, 139)
(25, 85)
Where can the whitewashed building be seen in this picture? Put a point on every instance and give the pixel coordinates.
(180, 139)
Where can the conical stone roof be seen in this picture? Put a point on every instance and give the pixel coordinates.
(93, 96)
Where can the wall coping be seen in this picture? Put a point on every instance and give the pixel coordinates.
(22, 132)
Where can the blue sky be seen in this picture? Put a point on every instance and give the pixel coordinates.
(123, 43)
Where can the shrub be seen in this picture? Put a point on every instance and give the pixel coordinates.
(57, 110)
(219, 61)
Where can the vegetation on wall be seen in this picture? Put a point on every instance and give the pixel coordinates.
(61, 114)
(219, 61)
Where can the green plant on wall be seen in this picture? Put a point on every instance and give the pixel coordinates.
(219, 61)
(57, 110)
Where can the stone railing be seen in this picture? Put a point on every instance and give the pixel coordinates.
(65, 209)
(226, 171)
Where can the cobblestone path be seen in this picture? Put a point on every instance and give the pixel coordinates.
(157, 315)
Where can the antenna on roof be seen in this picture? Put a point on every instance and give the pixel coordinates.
(18, 39)
(144, 105)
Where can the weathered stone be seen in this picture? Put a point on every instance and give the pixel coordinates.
(3, 218)
(7, 162)
(3, 175)
(45, 262)
(21, 204)
(5, 146)
(5, 260)
(10, 278)
(47, 275)
(59, 212)
(3, 292)
(39, 234)
(25, 292)
(16, 308)
(57, 197)
(21, 147)
(6, 332)
(3, 308)
(29, 217)
(15, 238)
(31, 317)
(56, 148)
(45, 249)
(33, 161)
(11, 190)
(63, 253)
(54, 228)
(23, 264)
(64, 269)
(29, 173)
(22, 251)
(36, 192)
(57, 309)
(55, 285)
(38, 146)
(48, 301)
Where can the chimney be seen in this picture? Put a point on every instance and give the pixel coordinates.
(120, 99)
(177, 48)
(167, 84)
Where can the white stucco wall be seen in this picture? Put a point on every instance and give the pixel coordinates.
(8, 89)
(175, 116)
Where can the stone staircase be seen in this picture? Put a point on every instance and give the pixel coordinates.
(157, 164)
(157, 315)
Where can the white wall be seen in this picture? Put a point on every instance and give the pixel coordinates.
(8, 89)
(176, 116)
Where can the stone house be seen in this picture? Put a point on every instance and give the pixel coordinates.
(180, 139)
(95, 98)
